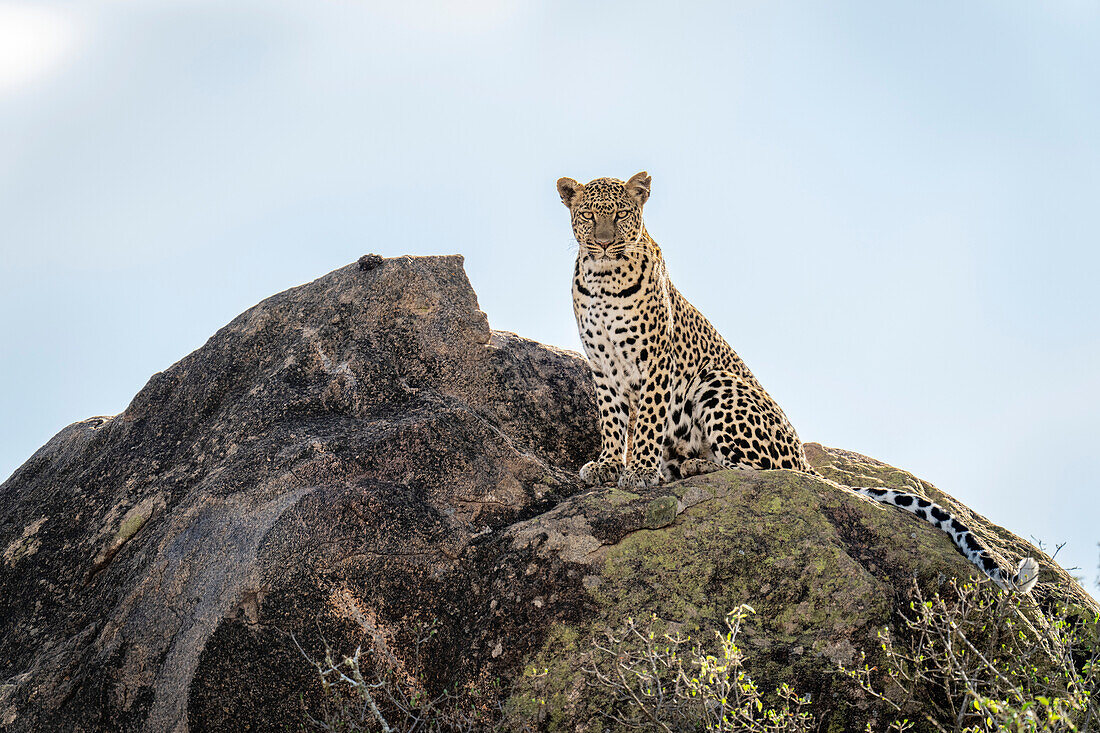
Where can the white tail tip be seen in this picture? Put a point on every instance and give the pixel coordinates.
(1027, 575)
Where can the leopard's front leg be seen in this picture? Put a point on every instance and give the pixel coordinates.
(643, 466)
(614, 415)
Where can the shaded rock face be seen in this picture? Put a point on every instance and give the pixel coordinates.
(352, 435)
(364, 447)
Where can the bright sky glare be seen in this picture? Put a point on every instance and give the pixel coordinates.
(890, 210)
(34, 42)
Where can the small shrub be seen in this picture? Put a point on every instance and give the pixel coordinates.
(390, 698)
(977, 660)
(665, 681)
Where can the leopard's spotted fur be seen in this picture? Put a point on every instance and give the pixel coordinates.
(656, 359)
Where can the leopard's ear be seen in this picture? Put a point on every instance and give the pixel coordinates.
(569, 189)
(638, 186)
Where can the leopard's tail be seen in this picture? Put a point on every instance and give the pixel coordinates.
(1022, 580)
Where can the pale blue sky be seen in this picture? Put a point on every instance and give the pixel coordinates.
(891, 211)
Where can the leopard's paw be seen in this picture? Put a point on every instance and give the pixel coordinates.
(639, 478)
(599, 472)
(698, 467)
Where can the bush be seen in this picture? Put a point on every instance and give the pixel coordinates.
(977, 659)
(667, 682)
(373, 689)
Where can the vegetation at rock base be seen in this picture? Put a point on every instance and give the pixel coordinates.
(972, 659)
(374, 689)
(979, 660)
(669, 682)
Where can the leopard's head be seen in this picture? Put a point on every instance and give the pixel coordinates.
(607, 215)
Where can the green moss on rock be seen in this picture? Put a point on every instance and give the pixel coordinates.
(823, 567)
(661, 512)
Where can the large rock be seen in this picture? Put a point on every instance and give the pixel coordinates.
(364, 447)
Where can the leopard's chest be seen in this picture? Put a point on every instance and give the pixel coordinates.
(605, 330)
(615, 309)
(613, 338)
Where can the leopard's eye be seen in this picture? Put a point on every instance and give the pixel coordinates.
(621, 215)
(587, 215)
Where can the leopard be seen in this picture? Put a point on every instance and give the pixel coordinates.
(674, 399)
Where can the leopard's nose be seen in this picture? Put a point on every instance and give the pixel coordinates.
(604, 241)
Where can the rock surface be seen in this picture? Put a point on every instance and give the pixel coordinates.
(365, 447)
